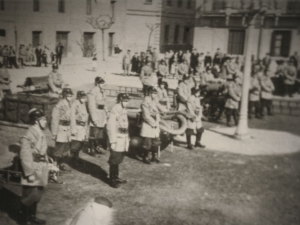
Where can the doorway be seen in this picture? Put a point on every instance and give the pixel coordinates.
(62, 37)
(36, 38)
(111, 44)
(88, 38)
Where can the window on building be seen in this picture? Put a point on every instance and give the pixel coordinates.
(236, 42)
(293, 6)
(36, 38)
(280, 45)
(36, 5)
(2, 33)
(169, 2)
(189, 4)
(166, 34)
(186, 35)
(2, 4)
(218, 5)
(176, 34)
(148, 2)
(61, 6)
(179, 3)
(88, 7)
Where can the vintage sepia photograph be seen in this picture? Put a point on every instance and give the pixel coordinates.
(150, 112)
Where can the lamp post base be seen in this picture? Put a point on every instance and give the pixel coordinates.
(242, 137)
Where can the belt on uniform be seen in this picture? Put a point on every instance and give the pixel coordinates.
(58, 85)
(39, 158)
(163, 102)
(123, 130)
(80, 123)
(100, 106)
(64, 122)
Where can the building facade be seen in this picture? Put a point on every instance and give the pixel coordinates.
(137, 24)
(223, 24)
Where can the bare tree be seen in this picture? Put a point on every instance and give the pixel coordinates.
(102, 22)
(152, 27)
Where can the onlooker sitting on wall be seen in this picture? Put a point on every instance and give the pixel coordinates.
(290, 74)
(267, 88)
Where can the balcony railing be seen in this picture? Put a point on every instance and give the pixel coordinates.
(293, 6)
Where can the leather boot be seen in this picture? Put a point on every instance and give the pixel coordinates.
(92, 147)
(113, 177)
(228, 120)
(188, 141)
(76, 159)
(121, 181)
(145, 158)
(198, 140)
(33, 218)
(154, 158)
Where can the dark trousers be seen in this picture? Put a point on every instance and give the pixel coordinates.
(58, 58)
(233, 113)
(145, 90)
(76, 146)
(21, 60)
(289, 89)
(61, 149)
(266, 103)
(38, 60)
(44, 60)
(12, 62)
(31, 194)
(256, 106)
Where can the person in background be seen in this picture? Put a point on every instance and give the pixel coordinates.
(117, 50)
(22, 55)
(296, 60)
(233, 98)
(12, 58)
(94, 63)
(194, 60)
(149, 56)
(135, 63)
(290, 75)
(174, 68)
(79, 126)
(183, 69)
(5, 54)
(44, 58)
(180, 56)
(142, 61)
(59, 52)
(162, 95)
(218, 57)
(155, 59)
(97, 108)
(5, 82)
(117, 132)
(266, 61)
(55, 82)
(184, 92)
(34, 161)
(162, 70)
(267, 88)
(127, 63)
(38, 55)
(146, 77)
(194, 124)
(61, 128)
(208, 60)
(187, 57)
(254, 96)
(30, 55)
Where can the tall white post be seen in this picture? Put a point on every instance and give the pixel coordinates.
(242, 131)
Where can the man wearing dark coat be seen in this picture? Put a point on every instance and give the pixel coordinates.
(135, 63)
(59, 51)
(194, 59)
(38, 54)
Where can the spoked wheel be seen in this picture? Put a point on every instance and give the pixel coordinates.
(211, 108)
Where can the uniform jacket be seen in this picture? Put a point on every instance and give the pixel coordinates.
(184, 92)
(151, 118)
(38, 52)
(96, 98)
(254, 93)
(163, 98)
(290, 73)
(79, 115)
(233, 95)
(146, 76)
(187, 57)
(195, 109)
(56, 83)
(118, 119)
(183, 69)
(34, 142)
(127, 59)
(267, 87)
(61, 112)
(162, 70)
(22, 53)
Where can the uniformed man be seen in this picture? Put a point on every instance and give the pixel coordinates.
(117, 131)
(233, 98)
(146, 77)
(150, 125)
(162, 95)
(98, 115)
(194, 125)
(61, 129)
(254, 96)
(267, 89)
(56, 82)
(184, 92)
(79, 125)
(34, 161)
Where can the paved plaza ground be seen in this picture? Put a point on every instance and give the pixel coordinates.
(228, 183)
